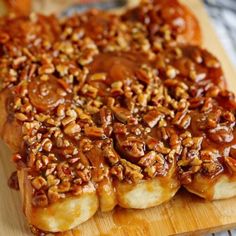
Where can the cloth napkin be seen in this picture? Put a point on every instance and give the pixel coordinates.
(223, 13)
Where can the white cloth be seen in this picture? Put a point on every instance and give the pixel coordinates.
(223, 13)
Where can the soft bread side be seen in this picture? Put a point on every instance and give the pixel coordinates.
(221, 187)
(148, 193)
(62, 215)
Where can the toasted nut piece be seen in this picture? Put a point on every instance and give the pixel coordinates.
(72, 129)
(21, 116)
(68, 120)
(231, 163)
(149, 159)
(39, 182)
(121, 114)
(111, 155)
(98, 77)
(153, 117)
(94, 132)
(40, 199)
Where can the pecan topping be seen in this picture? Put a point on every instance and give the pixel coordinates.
(231, 163)
(153, 117)
(127, 102)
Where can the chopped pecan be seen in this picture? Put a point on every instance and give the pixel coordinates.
(72, 129)
(151, 171)
(111, 155)
(229, 116)
(231, 163)
(171, 72)
(64, 186)
(106, 116)
(132, 172)
(89, 90)
(197, 142)
(133, 146)
(166, 111)
(85, 145)
(160, 147)
(98, 77)
(117, 171)
(21, 116)
(158, 168)
(120, 128)
(153, 117)
(188, 142)
(84, 174)
(151, 142)
(121, 114)
(94, 131)
(40, 199)
(143, 76)
(116, 88)
(53, 194)
(149, 159)
(38, 182)
(211, 169)
(221, 134)
(52, 180)
(63, 171)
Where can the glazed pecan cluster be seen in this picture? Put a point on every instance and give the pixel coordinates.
(100, 95)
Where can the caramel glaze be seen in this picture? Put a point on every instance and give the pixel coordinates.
(166, 19)
(49, 93)
(210, 120)
(127, 220)
(19, 8)
(119, 67)
(98, 25)
(13, 181)
(92, 113)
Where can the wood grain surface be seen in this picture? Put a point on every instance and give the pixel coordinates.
(185, 214)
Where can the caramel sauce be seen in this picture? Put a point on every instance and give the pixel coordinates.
(204, 185)
(97, 25)
(13, 181)
(20, 8)
(117, 66)
(95, 157)
(181, 21)
(47, 94)
(107, 195)
(127, 221)
(227, 138)
(76, 232)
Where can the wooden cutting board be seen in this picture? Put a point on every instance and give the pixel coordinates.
(185, 214)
